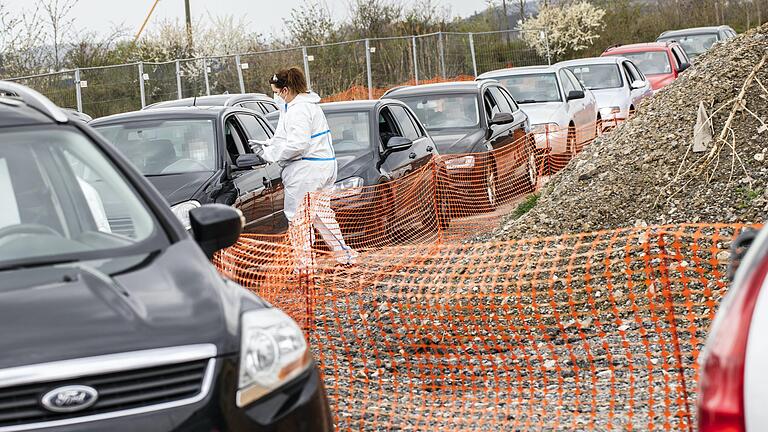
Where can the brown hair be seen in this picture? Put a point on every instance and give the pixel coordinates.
(293, 78)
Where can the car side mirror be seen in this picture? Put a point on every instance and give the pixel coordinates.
(398, 143)
(638, 84)
(248, 161)
(215, 227)
(501, 118)
(575, 94)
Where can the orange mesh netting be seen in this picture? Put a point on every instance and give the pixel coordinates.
(595, 331)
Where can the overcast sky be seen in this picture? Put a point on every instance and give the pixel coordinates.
(266, 17)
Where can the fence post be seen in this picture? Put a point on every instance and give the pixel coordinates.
(141, 85)
(178, 79)
(546, 43)
(240, 74)
(472, 51)
(415, 60)
(78, 91)
(306, 66)
(441, 50)
(368, 67)
(205, 75)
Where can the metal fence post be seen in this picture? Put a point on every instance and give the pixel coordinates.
(472, 51)
(78, 91)
(546, 43)
(141, 85)
(205, 75)
(415, 61)
(240, 74)
(178, 79)
(441, 50)
(306, 67)
(368, 67)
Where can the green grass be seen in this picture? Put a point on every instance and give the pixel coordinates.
(525, 206)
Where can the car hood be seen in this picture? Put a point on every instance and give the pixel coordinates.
(452, 141)
(113, 305)
(350, 164)
(177, 188)
(539, 113)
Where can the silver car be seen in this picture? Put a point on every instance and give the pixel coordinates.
(696, 41)
(618, 85)
(562, 112)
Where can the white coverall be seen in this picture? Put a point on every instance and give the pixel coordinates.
(302, 144)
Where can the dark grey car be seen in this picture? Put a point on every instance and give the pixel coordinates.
(258, 102)
(696, 41)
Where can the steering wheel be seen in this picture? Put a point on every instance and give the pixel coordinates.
(28, 229)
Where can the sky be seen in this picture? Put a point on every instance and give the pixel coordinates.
(265, 17)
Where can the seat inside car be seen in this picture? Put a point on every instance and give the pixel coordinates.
(159, 154)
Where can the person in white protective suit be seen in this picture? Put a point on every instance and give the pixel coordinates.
(302, 144)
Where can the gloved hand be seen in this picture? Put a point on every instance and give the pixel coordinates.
(257, 146)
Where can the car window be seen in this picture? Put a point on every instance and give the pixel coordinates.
(598, 76)
(404, 122)
(629, 73)
(165, 147)
(501, 101)
(568, 86)
(268, 107)
(650, 62)
(253, 106)
(491, 107)
(235, 139)
(532, 88)
(635, 71)
(675, 58)
(577, 84)
(508, 97)
(255, 128)
(351, 131)
(60, 196)
(445, 111)
(387, 126)
(695, 44)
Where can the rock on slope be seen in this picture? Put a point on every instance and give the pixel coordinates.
(629, 176)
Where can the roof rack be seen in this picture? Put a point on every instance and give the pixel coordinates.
(34, 100)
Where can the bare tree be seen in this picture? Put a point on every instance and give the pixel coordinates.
(60, 25)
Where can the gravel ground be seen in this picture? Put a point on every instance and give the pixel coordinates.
(628, 177)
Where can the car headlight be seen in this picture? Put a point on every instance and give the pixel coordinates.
(609, 111)
(349, 186)
(544, 128)
(181, 210)
(272, 352)
(460, 162)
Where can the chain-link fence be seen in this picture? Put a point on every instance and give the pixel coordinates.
(357, 69)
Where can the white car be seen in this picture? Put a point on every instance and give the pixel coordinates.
(562, 112)
(733, 385)
(616, 82)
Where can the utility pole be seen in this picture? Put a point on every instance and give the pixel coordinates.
(189, 25)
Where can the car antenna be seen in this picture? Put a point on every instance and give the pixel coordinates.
(194, 101)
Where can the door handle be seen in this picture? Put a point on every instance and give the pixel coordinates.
(412, 155)
(430, 148)
(266, 182)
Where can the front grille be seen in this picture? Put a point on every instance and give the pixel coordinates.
(117, 391)
(122, 226)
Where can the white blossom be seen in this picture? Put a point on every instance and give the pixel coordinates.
(570, 28)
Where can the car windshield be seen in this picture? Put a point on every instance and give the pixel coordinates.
(60, 197)
(445, 111)
(694, 44)
(532, 88)
(650, 62)
(350, 132)
(165, 147)
(598, 76)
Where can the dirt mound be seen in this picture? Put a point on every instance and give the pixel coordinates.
(646, 171)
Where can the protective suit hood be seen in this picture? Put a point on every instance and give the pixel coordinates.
(309, 97)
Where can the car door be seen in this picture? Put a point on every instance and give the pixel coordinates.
(494, 102)
(258, 129)
(254, 197)
(521, 125)
(583, 111)
(423, 146)
(636, 95)
(394, 164)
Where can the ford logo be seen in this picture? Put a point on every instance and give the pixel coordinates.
(69, 398)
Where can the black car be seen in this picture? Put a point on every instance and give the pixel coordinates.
(480, 121)
(128, 327)
(258, 102)
(190, 155)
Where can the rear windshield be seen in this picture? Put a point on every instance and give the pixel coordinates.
(695, 44)
(165, 147)
(598, 76)
(532, 88)
(445, 111)
(649, 62)
(350, 131)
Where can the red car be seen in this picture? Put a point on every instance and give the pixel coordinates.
(661, 62)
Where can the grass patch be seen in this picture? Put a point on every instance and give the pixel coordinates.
(524, 207)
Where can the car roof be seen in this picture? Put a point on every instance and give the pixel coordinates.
(163, 113)
(591, 60)
(361, 104)
(213, 100)
(435, 88)
(20, 106)
(645, 46)
(524, 70)
(694, 30)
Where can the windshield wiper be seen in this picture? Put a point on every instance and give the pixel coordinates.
(35, 263)
(525, 101)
